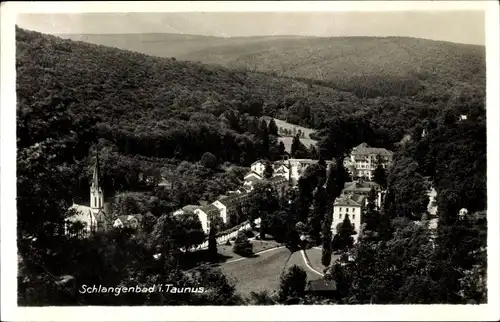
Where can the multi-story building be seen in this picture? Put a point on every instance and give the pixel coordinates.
(206, 214)
(361, 187)
(350, 206)
(258, 167)
(292, 169)
(128, 221)
(89, 219)
(364, 159)
(250, 179)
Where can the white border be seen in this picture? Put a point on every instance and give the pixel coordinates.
(10, 312)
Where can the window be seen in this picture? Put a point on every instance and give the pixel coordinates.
(340, 209)
(95, 202)
(352, 209)
(346, 209)
(340, 216)
(353, 216)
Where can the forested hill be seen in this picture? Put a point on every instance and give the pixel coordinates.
(366, 66)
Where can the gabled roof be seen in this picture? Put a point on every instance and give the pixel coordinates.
(350, 200)
(209, 209)
(231, 200)
(252, 180)
(190, 207)
(364, 186)
(126, 218)
(252, 174)
(259, 161)
(322, 285)
(364, 149)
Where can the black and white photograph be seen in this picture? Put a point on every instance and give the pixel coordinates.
(178, 155)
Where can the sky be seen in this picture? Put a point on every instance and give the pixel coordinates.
(454, 26)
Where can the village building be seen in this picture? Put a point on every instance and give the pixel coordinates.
(89, 219)
(250, 179)
(364, 159)
(362, 187)
(128, 221)
(322, 287)
(350, 206)
(258, 167)
(206, 215)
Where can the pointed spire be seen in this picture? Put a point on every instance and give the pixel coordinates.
(95, 178)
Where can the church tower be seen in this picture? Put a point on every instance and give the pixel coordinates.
(96, 194)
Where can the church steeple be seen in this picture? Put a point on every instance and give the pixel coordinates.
(96, 194)
(95, 178)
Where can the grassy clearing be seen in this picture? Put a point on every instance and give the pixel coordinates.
(287, 141)
(263, 271)
(257, 273)
(314, 256)
(290, 126)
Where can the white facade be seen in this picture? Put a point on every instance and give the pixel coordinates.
(258, 167)
(353, 212)
(203, 217)
(222, 209)
(364, 160)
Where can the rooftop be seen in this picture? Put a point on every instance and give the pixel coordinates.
(364, 149)
(322, 285)
(209, 209)
(364, 186)
(350, 200)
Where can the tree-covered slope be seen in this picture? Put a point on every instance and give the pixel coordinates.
(367, 66)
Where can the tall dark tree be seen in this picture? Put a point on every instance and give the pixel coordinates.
(296, 146)
(269, 170)
(343, 239)
(318, 214)
(272, 128)
(281, 148)
(264, 139)
(326, 238)
(212, 242)
(379, 174)
(292, 283)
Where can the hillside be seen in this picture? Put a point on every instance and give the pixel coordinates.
(367, 66)
(147, 105)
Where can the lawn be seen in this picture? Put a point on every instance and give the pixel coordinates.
(287, 141)
(226, 251)
(314, 256)
(290, 126)
(263, 271)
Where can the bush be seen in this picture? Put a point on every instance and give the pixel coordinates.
(249, 233)
(242, 245)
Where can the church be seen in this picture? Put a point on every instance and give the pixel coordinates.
(89, 219)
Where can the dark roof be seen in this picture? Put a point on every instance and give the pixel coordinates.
(322, 285)
(252, 173)
(231, 200)
(126, 218)
(252, 180)
(350, 200)
(364, 186)
(364, 148)
(259, 161)
(208, 209)
(190, 208)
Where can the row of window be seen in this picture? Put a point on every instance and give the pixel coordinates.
(353, 216)
(347, 209)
